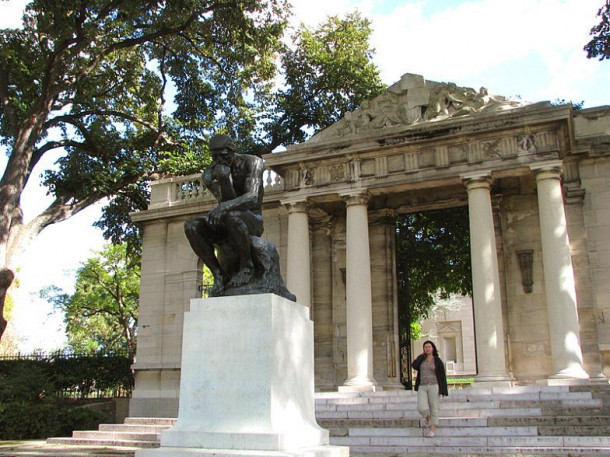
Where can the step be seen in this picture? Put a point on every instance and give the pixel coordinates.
(581, 430)
(574, 421)
(474, 431)
(133, 428)
(449, 441)
(121, 436)
(525, 420)
(103, 442)
(411, 414)
(167, 421)
(521, 451)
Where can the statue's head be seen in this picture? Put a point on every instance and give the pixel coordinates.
(222, 149)
(219, 142)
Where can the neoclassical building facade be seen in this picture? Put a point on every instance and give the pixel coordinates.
(534, 177)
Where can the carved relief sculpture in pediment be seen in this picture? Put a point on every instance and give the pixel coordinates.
(414, 100)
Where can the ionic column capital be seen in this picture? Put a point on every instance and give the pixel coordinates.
(296, 206)
(551, 169)
(360, 197)
(477, 180)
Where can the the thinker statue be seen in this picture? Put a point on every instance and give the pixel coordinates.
(227, 239)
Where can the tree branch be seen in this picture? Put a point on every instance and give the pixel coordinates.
(73, 118)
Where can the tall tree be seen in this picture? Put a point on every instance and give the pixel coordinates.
(102, 313)
(90, 77)
(327, 71)
(599, 46)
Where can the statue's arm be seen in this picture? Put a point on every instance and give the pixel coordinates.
(251, 199)
(210, 182)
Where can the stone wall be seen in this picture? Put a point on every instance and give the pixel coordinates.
(595, 177)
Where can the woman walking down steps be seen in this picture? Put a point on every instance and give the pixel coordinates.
(430, 384)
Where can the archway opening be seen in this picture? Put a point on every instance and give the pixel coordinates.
(432, 263)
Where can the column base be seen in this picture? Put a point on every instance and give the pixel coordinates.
(577, 373)
(359, 389)
(493, 380)
(360, 384)
(599, 380)
(569, 377)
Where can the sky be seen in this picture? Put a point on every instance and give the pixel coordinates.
(531, 49)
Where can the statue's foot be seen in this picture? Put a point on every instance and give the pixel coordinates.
(217, 288)
(242, 277)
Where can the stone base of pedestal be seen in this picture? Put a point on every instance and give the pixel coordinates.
(247, 382)
(314, 451)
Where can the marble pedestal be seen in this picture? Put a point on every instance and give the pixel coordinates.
(247, 382)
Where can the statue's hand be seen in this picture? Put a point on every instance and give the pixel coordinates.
(216, 214)
(222, 171)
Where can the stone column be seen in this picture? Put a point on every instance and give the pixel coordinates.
(559, 285)
(358, 296)
(487, 303)
(298, 270)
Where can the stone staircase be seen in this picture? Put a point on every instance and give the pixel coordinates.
(474, 421)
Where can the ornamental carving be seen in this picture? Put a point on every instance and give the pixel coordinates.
(526, 143)
(337, 173)
(492, 149)
(414, 100)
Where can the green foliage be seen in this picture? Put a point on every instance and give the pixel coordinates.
(207, 282)
(102, 314)
(327, 72)
(433, 259)
(26, 421)
(51, 378)
(37, 395)
(25, 380)
(599, 46)
(415, 331)
(561, 101)
(97, 371)
(91, 78)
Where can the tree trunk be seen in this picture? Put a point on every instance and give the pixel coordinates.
(6, 279)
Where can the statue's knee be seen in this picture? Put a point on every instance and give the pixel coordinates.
(190, 228)
(235, 219)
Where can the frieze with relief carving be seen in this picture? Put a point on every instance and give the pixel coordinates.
(517, 146)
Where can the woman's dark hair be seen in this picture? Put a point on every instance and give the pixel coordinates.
(434, 351)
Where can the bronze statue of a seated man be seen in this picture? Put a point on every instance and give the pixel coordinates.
(245, 263)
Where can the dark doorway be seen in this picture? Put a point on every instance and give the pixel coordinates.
(432, 257)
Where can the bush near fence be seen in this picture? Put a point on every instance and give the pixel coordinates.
(43, 395)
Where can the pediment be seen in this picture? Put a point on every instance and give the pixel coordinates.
(414, 100)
